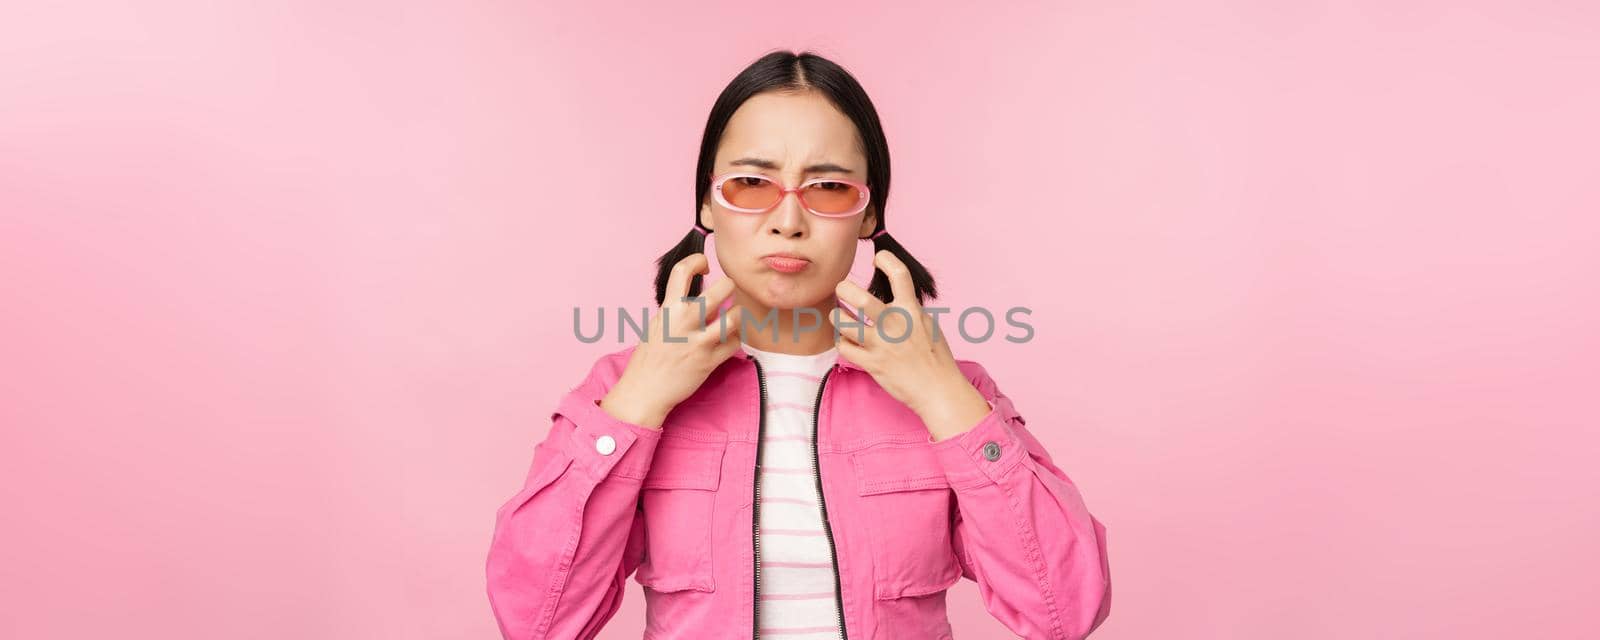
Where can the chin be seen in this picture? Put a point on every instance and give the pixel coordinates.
(785, 293)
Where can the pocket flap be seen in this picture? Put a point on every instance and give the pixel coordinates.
(685, 463)
(898, 468)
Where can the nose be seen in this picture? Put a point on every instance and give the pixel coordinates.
(788, 219)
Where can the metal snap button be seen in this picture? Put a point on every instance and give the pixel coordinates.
(605, 445)
(991, 451)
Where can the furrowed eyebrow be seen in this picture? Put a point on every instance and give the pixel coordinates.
(756, 162)
(826, 167)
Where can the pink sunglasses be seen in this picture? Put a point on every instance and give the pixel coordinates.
(756, 193)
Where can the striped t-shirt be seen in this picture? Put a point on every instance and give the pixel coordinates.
(797, 572)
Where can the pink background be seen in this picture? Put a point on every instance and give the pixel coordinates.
(286, 291)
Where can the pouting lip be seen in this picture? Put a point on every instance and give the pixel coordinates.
(786, 254)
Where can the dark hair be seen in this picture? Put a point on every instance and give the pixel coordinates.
(788, 71)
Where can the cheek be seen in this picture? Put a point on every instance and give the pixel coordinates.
(841, 253)
(733, 233)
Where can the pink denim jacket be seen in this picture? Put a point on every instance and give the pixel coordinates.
(907, 517)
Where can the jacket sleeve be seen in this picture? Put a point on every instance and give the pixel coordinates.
(564, 546)
(1020, 528)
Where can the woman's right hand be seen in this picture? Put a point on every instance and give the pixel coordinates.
(660, 374)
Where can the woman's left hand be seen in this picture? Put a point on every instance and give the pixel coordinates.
(901, 351)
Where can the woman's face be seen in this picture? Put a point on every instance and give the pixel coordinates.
(791, 137)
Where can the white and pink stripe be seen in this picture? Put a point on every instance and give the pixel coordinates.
(797, 589)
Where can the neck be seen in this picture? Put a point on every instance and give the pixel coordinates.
(802, 330)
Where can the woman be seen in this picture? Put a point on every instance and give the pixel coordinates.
(763, 475)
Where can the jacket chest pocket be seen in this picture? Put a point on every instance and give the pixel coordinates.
(678, 495)
(906, 503)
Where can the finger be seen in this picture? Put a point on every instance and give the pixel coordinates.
(726, 350)
(853, 294)
(863, 331)
(704, 309)
(683, 272)
(715, 295)
(899, 280)
(853, 352)
(729, 330)
(853, 335)
(839, 303)
(847, 331)
(932, 327)
(716, 311)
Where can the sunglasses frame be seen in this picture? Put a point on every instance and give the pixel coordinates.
(861, 187)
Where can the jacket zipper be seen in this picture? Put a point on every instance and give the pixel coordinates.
(816, 413)
(755, 520)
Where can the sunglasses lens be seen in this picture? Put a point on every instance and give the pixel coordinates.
(832, 197)
(749, 192)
